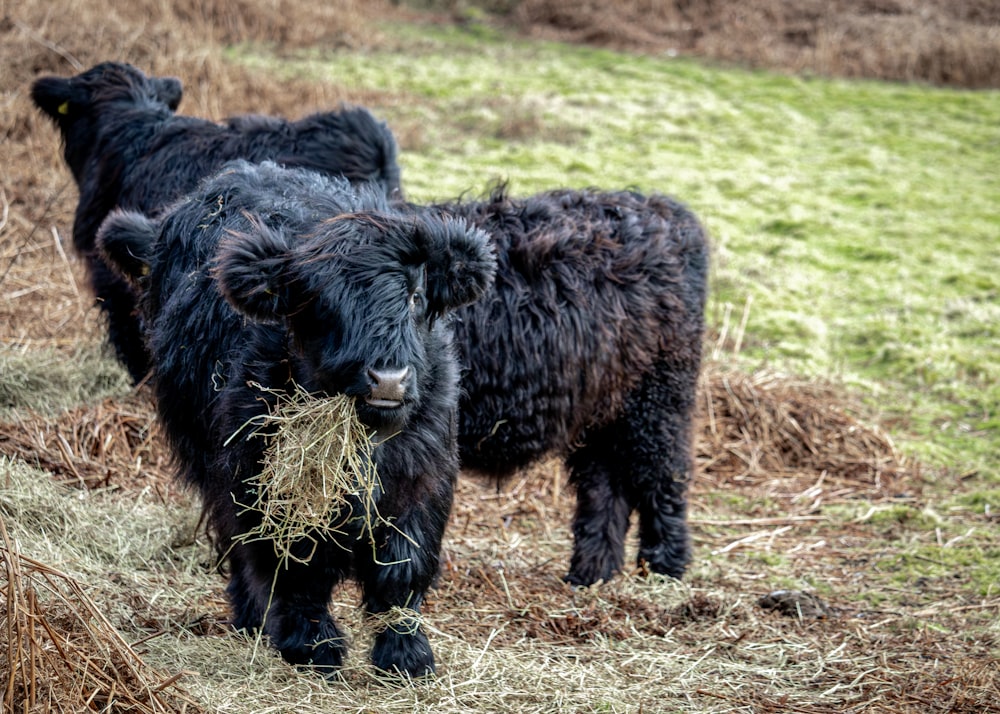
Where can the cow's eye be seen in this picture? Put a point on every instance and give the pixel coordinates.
(417, 300)
(418, 297)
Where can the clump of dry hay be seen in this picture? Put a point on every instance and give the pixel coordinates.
(318, 478)
(766, 427)
(115, 443)
(62, 654)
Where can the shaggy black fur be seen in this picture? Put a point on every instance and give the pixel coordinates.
(126, 148)
(277, 277)
(589, 347)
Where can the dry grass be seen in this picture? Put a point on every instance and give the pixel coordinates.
(935, 41)
(115, 444)
(501, 614)
(769, 431)
(62, 654)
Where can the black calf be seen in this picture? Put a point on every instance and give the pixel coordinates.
(276, 277)
(589, 347)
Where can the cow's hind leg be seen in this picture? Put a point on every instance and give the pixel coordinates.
(640, 462)
(656, 448)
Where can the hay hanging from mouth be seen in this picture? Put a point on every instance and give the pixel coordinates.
(318, 480)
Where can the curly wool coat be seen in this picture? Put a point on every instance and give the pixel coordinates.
(589, 347)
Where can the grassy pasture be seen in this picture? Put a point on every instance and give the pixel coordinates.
(849, 435)
(856, 222)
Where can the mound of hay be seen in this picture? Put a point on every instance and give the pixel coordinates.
(318, 477)
(116, 443)
(764, 426)
(60, 652)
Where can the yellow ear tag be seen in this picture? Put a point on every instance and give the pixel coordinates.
(144, 270)
(63, 108)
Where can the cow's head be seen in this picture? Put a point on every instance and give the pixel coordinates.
(360, 296)
(79, 104)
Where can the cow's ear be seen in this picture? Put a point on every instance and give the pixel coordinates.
(252, 270)
(460, 265)
(170, 91)
(53, 95)
(126, 240)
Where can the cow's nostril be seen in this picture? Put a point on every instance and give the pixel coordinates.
(388, 385)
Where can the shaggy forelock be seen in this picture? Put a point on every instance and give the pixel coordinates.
(113, 81)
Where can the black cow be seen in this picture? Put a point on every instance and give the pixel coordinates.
(281, 277)
(589, 347)
(126, 148)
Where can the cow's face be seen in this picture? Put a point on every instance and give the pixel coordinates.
(79, 104)
(360, 296)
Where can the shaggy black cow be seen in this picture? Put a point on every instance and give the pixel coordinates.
(271, 277)
(126, 148)
(589, 346)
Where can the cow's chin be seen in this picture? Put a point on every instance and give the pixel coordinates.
(383, 415)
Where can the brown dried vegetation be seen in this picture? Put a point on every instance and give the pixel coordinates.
(934, 41)
(62, 654)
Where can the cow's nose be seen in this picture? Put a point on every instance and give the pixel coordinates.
(388, 386)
